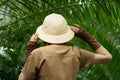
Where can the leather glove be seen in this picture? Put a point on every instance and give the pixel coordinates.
(87, 37)
(31, 46)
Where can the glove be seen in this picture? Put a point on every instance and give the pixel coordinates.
(87, 37)
(31, 46)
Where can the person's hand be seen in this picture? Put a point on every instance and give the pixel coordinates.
(80, 29)
(34, 37)
(74, 29)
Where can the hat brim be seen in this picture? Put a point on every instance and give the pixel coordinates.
(55, 38)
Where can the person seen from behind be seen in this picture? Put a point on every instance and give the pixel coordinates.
(57, 61)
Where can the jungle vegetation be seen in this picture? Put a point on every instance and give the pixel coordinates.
(20, 18)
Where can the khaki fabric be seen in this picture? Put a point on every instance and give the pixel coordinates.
(56, 62)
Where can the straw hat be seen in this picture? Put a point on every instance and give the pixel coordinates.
(55, 29)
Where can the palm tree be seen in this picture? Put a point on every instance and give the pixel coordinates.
(20, 18)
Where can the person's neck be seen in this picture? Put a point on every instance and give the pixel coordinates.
(45, 43)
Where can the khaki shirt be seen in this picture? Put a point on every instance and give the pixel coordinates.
(56, 62)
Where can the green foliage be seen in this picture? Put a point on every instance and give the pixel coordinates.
(20, 18)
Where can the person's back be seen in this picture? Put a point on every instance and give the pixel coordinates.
(58, 62)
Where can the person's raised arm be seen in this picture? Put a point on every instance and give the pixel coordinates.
(102, 55)
(32, 43)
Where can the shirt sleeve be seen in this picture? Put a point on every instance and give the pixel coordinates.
(30, 66)
(86, 57)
